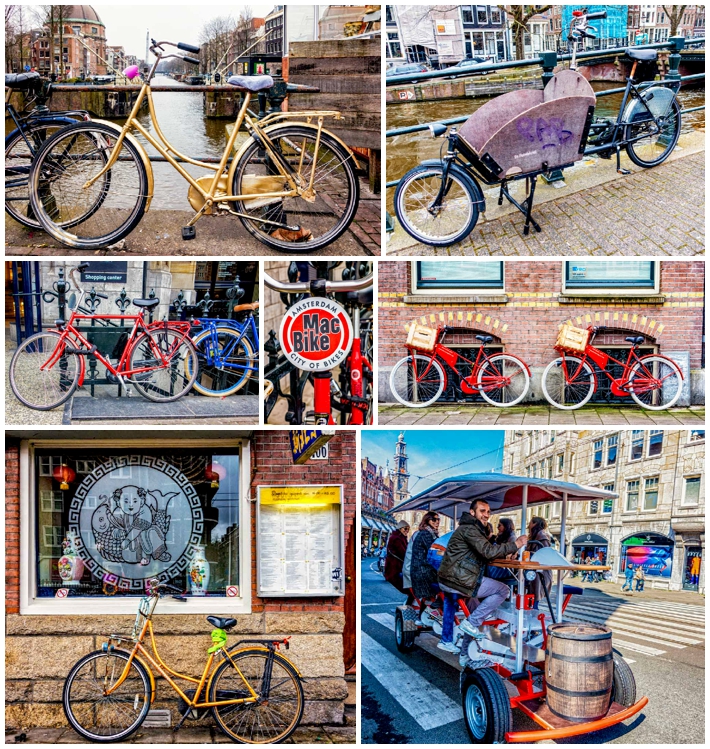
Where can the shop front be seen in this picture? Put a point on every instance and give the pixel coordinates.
(653, 551)
(221, 516)
(590, 545)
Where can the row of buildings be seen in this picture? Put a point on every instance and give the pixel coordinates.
(658, 519)
(442, 35)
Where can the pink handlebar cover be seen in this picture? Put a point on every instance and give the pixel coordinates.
(131, 72)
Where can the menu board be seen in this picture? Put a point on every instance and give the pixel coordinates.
(300, 541)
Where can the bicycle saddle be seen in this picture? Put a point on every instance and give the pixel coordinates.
(147, 303)
(251, 82)
(221, 622)
(20, 80)
(484, 339)
(247, 307)
(636, 339)
(642, 55)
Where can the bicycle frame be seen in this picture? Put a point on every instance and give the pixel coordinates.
(243, 329)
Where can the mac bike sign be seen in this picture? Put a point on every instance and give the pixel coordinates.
(316, 334)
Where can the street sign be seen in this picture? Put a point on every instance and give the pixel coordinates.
(305, 443)
(106, 271)
(316, 334)
(406, 95)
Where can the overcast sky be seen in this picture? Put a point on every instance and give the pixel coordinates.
(126, 24)
(430, 451)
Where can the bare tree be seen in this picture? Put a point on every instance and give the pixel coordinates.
(520, 16)
(216, 41)
(675, 15)
(17, 37)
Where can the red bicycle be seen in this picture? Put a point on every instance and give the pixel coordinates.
(157, 358)
(654, 382)
(419, 378)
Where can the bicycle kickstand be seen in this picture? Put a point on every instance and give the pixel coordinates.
(619, 170)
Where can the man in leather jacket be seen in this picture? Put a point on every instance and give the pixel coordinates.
(464, 563)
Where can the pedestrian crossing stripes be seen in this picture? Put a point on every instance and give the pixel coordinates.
(424, 702)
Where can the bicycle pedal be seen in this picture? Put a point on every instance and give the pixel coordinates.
(188, 232)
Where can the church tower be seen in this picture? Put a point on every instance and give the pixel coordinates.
(401, 475)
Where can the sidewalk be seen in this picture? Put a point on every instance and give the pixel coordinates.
(538, 415)
(647, 594)
(657, 211)
(159, 233)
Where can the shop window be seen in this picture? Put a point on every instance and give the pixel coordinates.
(610, 276)
(612, 442)
(691, 491)
(636, 444)
(137, 514)
(655, 442)
(598, 452)
(458, 274)
(608, 504)
(650, 494)
(696, 435)
(560, 463)
(632, 496)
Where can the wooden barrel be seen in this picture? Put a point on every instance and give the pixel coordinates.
(579, 671)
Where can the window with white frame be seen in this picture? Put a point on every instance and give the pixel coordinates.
(482, 15)
(394, 46)
(696, 435)
(691, 491)
(632, 496)
(572, 462)
(454, 275)
(650, 493)
(143, 512)
(593, 507)
(636, 444)
(611, 276)
(612, 445)
(597, 454)
(560, 463)
(467, 13)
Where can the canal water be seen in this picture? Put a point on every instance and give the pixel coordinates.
(406, 151)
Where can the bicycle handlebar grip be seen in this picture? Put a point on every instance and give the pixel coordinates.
(188, 48)
(596, 14)
(191, 60)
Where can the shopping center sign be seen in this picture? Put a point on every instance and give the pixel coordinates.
(316, 334)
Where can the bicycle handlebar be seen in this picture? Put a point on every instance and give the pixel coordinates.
(188, 48)
(597, 14)
(285, 287)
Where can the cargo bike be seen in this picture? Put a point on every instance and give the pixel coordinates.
(564, 675)
(527, 133)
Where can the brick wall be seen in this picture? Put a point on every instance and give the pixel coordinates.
(12, 527)
(527, 323)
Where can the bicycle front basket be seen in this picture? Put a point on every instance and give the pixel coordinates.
(571, 338)
(421, 337)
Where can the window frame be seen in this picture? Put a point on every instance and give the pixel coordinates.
(471, 287)
(639, 495)
(642, 505)
(631, 445)
(653, 433)
(30, 605)
(608, 444)
(609, 289)
(699, 477)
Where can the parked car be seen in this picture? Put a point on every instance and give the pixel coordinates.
(471, 63)
(413, 67)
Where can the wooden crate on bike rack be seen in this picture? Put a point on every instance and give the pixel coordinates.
(421, 337)
(572, 338)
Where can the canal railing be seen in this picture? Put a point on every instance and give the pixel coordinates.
(548, 61)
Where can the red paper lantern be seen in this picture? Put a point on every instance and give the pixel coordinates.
(64, 475)
(214, 473)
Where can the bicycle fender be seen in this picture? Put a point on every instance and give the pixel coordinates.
(141, 151)
(42, 121)
(666, 358)
(658, 99)
(463, 175)
(269, 129)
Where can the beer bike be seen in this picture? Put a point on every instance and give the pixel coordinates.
(292, 184)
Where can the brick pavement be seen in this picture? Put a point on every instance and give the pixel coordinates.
(453, 414)
(656, 211)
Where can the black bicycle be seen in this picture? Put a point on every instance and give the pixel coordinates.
(33, 125)
(524, 134)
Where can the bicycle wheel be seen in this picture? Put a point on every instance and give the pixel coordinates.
(43, 388)
(81, 216)
(278, 711)
(655, 143)
(325, 214)
(568, 382)
(655, 382)
(20, 148)
(452, 221)
(225, 370)
(503, 380)
(416, 384)
(163, 384)
(102, 717)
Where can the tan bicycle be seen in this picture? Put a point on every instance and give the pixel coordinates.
(292, 184)
(255, 693)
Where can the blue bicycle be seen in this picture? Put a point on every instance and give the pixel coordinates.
(227, 352)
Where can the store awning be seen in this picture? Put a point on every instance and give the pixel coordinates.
(590, 539)
(366, 522)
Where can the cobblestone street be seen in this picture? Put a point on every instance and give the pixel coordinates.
(652, 212)
(536, 415)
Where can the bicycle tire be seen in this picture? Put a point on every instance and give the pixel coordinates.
(582, 392)
(242, 712)
(673, 391)
(671, 137)
(77, 712)
(520, 373)
(164, 384)
(460, 207)
(402, 387)
(210, 377)
(18, 160)
(25, 373)
(341, 191)
(116, 202)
